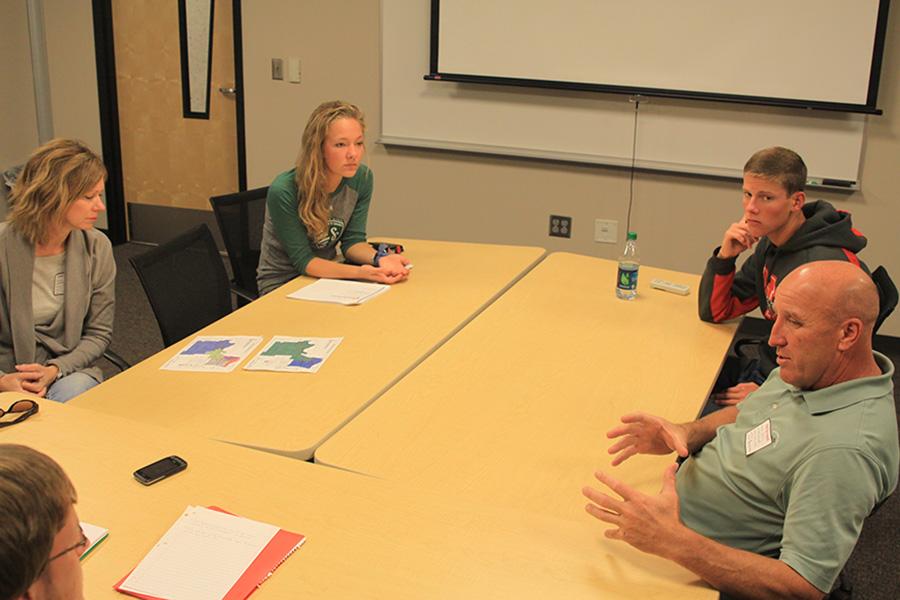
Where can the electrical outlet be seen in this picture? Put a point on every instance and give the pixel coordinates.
(277, 68)
(606, 231)
(560, 226)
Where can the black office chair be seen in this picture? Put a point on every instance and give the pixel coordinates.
(241, 217)
(887, 295)
(186, 283)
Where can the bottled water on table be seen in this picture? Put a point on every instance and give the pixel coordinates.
(629, 262)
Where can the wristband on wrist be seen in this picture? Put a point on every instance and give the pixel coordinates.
(380, 253)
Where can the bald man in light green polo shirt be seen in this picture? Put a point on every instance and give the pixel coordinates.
(772, 498)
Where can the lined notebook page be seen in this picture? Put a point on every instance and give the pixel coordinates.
(201, 556)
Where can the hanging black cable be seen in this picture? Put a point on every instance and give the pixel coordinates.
(637, 104)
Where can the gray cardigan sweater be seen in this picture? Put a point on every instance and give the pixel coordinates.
(88, 307)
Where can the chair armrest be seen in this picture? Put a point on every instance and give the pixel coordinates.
(242, 293)
(117, 360)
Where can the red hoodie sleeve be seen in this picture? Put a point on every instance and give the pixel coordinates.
(725, 294)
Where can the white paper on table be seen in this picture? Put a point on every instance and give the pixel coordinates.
(340, 291)
(213, 353)
(200, 557)
(293, 354)
(94, 533)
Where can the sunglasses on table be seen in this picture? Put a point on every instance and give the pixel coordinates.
(25, 407)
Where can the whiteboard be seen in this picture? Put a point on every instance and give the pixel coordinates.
(699, 137)
(806, 50)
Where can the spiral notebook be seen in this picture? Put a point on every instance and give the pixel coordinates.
(209, 553)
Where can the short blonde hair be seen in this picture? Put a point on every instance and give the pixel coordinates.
(311, 174)
(56, 174)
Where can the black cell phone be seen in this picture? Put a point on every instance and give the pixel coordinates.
(160, 469)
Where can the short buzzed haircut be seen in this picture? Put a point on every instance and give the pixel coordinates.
(781, 165)
(35, 497)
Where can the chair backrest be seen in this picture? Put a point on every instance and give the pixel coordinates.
(887, 295)
(186, 283)
(241, 217)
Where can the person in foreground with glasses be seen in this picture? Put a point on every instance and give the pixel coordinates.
(57, 275)
(41, 541)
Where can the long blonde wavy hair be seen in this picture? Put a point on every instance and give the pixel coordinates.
(56, 174)
(312, 173)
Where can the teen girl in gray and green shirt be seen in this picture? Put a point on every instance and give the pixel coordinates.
(302, 228)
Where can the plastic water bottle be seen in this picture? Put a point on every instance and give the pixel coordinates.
(626, 282)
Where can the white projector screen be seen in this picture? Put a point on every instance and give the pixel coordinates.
(810, 53)
(678, 135)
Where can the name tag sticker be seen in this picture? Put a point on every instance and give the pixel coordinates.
(59, 284)
(758, 438)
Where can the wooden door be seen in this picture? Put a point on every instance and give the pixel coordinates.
(168, 159)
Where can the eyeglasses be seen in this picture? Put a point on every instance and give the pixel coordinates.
(82, 544)
(26, 407)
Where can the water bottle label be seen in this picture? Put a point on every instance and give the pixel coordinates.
(627, 279)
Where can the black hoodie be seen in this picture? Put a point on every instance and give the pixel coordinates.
(827, 234)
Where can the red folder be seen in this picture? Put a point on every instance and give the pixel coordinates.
(281, 546)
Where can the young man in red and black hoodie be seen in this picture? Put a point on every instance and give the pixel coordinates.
(788, 233)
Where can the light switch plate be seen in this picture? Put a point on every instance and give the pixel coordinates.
(277, 68)
(606, 231)
(293, 73)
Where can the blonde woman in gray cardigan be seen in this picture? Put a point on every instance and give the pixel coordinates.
(57, 275)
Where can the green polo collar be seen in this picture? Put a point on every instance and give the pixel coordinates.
(836, 397)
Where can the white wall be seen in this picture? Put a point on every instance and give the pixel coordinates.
(443, 195)
(73, 74)
(73, 71)
(68, 27)
(18, 125)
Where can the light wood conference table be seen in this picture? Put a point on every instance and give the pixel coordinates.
(293, 413)
(365, 538)
(514, 410)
